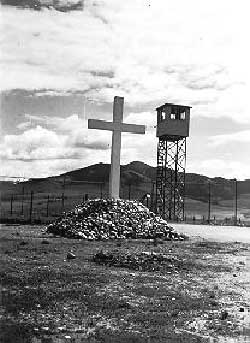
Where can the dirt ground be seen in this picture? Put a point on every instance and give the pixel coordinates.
(202, 296)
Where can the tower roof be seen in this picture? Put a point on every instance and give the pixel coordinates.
(172, 105)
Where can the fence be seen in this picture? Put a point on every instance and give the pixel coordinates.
(26, 203)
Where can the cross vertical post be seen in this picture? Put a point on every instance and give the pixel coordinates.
(116, 148)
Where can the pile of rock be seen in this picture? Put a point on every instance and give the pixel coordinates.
(109, 219)
(145, 261)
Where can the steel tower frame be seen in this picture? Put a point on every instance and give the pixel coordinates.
(172, 130)
(170, 178)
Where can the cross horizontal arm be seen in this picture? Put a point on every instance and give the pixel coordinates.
(122, 127)
(100, 125)
(140, 129)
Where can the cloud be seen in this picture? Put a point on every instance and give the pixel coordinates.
(61, 144)
(34, 144)
(63, 138)
(226, 168)
(237, 137)
(211, 76)
(67, 124)
(23, 125)
(51, 139)
(54, 50)
(162, 52)
(38, 168)
(170, 51)
(142, 118)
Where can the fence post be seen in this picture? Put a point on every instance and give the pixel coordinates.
(183, 206)
(152, 196)
(11, 205)
(100, 190)
(155, 198)
(64, 181)
(62, 202)
(47, 213)
(209, 202)
(22, 201)
(236, 203)
(31, 204)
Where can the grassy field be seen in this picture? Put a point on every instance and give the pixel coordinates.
(202, 296)
(47, 210)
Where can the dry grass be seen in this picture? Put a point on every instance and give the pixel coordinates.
(47, 298)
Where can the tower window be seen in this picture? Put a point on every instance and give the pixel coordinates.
(183, 115)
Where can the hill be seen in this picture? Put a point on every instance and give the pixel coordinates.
(136, 173)
(59, 5)
(67, 189)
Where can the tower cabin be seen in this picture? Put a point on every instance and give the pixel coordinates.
(172, 122)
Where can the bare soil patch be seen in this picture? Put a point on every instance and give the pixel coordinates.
(199, 293)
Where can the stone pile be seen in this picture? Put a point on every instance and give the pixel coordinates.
(145, 261)
(109, 219)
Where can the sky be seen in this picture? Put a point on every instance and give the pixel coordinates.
(58, 69)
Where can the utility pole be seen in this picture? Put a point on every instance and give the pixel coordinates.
(209, 202)
(129, 191)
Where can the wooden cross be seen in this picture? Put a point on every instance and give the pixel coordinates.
(117, 127)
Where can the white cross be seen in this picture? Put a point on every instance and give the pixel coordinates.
(117, 126)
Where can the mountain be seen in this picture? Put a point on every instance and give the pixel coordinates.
(131, 173)
(139, 174)
(136, 179)
(59, 5)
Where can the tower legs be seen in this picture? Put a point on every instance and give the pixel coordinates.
(170, 178)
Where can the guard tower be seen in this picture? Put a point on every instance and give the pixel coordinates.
(172, 130)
